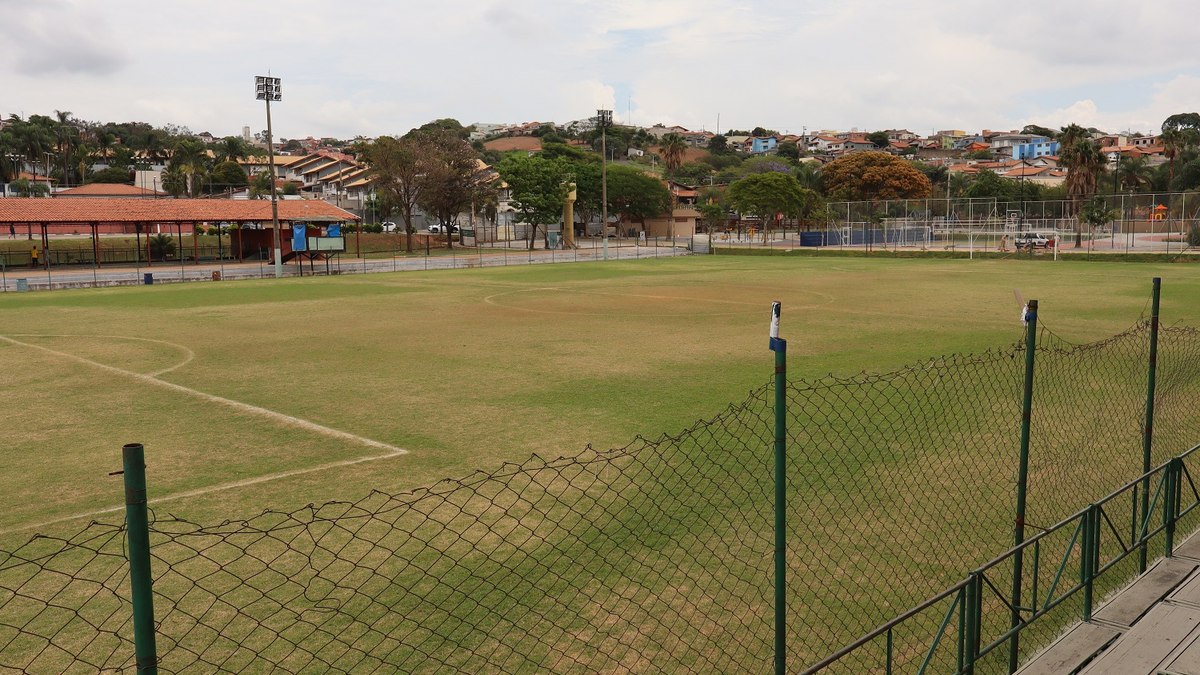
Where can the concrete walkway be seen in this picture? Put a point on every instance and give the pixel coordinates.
(1151, 627)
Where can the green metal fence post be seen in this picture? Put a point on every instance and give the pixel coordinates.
(1148, 436)
(973, 606)
(138, 537)
(1088, 557)
(779, 346)
(1171, 504)
(1014, 644)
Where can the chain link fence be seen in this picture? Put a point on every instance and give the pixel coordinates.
(654, 557)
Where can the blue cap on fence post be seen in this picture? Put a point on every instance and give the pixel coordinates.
(777, 345)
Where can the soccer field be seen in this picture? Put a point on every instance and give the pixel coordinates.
(275, 394)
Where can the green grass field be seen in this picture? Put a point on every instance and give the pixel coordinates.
(469, 369)
(393, 381)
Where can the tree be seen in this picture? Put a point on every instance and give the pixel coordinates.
(713, 209)
(447, 125)
(450, 177)
(692, 173)
(260, 185)
(672, 150)
(635, 195)
(769, 195)
(879, 139)
(979, 154)
(227, 175)
(873, 176)
(27, 188)
(1084, 163)
(1096, 213)
(191, 158)
(396, 170)
(788, 150)
(175, 181)
(759, 132)
(111, 175)
(1035, 130)
(809, 174)
(538, 188)
(718, 145)
(231, 148)
(1134, 172)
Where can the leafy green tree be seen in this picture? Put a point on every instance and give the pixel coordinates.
(873, 176)
(112, 174)
(767, 194)
(538, 188)
(692, 173)
(289, 189)
(227, 175)
(396, 170)
(979, 154)
(788, 150)
(568, 152)
(446, 125)
(718, 145)
(879, 139)
(1035, 130)
(636, 196)
(450, 177)
(260, 185)
(764, 164)
(1096, 213)
(759, 132)
(27, 188)
(714, 212)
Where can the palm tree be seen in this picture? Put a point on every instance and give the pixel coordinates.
(809, 175)
(231, 148)
(673, 147)
(1084, 163)
(191, 158)
(1134, 172)
(1176, 141)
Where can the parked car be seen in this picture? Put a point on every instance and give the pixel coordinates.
(389, 226)
(437, 229)
(1033, 240)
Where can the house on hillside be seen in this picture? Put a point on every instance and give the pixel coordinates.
(762, 144)
(1039, 146)
(824, 145)
(681, 223)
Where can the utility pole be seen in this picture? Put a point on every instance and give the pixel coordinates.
(268, 89)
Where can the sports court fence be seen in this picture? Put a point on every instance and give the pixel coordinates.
(658, 556)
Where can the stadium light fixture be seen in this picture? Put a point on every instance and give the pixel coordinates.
(269, 89)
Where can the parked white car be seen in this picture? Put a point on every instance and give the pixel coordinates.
(437, 229)
(389, 226)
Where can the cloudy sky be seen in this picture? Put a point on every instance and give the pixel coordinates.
(369, 67)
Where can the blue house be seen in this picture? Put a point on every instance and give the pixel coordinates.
(761, 145)
(1037, 147)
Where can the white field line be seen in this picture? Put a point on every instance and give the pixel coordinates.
(206, 490)
(188, 353)
(286, 420)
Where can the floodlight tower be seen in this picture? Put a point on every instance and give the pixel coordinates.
(268, 89)
(604, 120)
